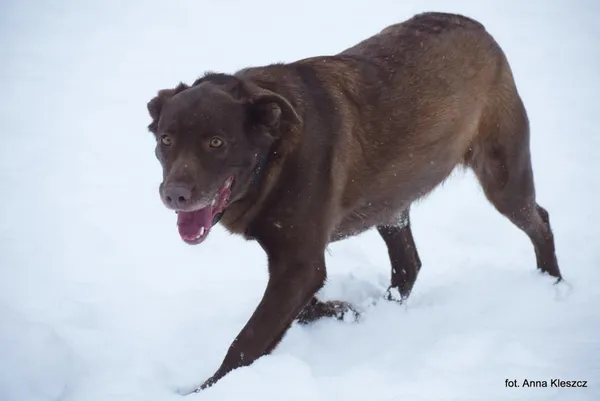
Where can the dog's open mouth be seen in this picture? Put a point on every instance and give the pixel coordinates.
(195, 225)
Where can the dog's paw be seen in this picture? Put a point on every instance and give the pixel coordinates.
(345, 311)
(393, 294)
(188, 390)
(340, 310)
(563, 289)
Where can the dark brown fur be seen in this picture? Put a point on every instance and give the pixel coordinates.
(351, 141)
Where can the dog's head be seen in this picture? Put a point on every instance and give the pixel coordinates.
(210, 139)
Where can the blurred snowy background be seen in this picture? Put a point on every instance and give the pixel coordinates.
(101, 300)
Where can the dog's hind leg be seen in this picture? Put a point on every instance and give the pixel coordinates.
(403, 254)
(501, 161)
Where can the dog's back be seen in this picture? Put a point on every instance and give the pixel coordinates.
(415, 99)
(398, 111)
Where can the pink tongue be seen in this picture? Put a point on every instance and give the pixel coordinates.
(190, 224)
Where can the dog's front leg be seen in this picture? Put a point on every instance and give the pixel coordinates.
(294, 278)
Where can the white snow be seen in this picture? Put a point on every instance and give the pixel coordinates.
(101, 300)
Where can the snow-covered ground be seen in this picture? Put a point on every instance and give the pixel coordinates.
(100, 299)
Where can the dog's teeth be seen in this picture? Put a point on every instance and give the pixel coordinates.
(213, 202)
(202, 231)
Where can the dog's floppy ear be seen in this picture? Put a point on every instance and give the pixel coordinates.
(155, 105)
(273, 112)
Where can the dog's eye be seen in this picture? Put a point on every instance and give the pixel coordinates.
(216, 142)
(166, 140)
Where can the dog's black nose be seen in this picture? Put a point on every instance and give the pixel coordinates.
(177, 196)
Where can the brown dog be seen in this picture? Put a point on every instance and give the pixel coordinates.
(299, 155)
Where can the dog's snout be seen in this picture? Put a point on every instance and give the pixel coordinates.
(178, 196)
